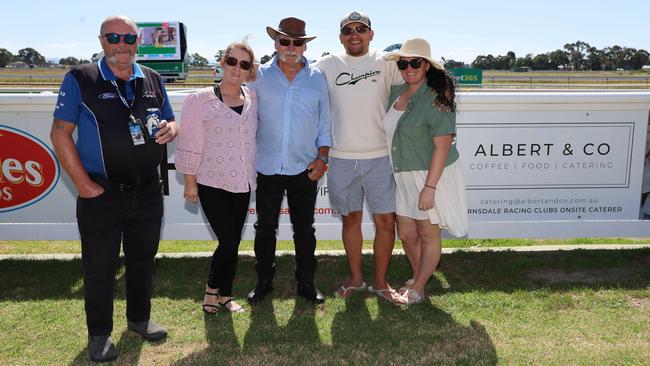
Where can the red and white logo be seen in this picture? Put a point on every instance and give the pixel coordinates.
(28, 169)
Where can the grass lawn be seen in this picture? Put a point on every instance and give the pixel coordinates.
(188, 246)
(587, 307)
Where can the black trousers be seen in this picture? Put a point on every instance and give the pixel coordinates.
(301, 197)
(226, 213)
(119, 215)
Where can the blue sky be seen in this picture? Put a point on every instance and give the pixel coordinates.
(456, 30)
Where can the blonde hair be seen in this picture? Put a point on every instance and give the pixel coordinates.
(244, 46)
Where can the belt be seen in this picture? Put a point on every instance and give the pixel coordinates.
(123, 187)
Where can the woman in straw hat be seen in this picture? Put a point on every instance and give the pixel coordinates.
(421, 128)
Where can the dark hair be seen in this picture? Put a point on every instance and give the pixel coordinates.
(444, 84)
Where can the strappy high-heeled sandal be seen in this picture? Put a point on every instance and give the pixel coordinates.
(232, 306)
(209, 308)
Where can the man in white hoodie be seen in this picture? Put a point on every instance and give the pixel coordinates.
(359, 83)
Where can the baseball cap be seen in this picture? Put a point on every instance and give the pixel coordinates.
(355, 17)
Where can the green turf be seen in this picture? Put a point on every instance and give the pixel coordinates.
(582, 307)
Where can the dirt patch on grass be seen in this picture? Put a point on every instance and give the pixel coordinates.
(7, 247)
(636, 302)
(586, 276)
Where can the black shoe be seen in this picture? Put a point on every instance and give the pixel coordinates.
(259, 292)
(149, 330)
(311, 293)
(101, 348)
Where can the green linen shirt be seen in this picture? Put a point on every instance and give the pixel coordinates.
(413, 139)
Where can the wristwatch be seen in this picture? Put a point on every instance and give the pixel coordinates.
(323, 158)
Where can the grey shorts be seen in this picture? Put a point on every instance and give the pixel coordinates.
(350, 180)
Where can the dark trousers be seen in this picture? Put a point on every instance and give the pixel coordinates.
(130, 217)
(301, 197)
(226, 213)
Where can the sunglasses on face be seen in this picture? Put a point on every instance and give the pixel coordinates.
(114, 38)
(346, 31)
(296, 42)
(415, 64)
(245, 65)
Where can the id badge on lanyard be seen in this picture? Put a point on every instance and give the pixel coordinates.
(135, 125)
(137, 133)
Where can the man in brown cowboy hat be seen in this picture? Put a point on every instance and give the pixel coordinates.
(293, 140)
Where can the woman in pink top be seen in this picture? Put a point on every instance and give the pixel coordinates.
(216, 153)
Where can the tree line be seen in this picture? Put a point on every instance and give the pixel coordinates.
(31, 57)
(573, 56)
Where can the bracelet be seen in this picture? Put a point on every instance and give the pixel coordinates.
(432, 187)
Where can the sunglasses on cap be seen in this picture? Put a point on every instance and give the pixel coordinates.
(245, 65)
(296, 42)
(415, 64)
(114, 38)
(346, 31)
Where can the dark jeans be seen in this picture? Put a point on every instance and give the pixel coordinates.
(130, 217)
(226, 213)
(301, 197)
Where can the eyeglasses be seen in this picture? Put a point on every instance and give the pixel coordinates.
(245, 65)
(296, 42)
(415, 64)
(114, 38)
(346, 31)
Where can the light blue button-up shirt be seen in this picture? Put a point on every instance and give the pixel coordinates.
(293, 118)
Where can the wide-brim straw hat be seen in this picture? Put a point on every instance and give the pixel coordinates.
(290, 27)
(416, 47)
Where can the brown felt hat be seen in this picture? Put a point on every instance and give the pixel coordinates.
(290, 27)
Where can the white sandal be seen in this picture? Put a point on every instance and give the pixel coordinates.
(389, 294)
(343, 292)
(410, 297)
(407, 285)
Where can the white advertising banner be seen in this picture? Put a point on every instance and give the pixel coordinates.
(536, 165)
(535, 170)
(548, 155)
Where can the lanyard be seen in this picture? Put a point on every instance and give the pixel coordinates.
(135, 82)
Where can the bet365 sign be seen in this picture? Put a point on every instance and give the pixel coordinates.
(468, 76)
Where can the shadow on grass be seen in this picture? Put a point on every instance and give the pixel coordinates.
(361, 333)
(221, 338)
(23, 280)
(553, 270)
(418, 335)
(360, 330)
(265, 341)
